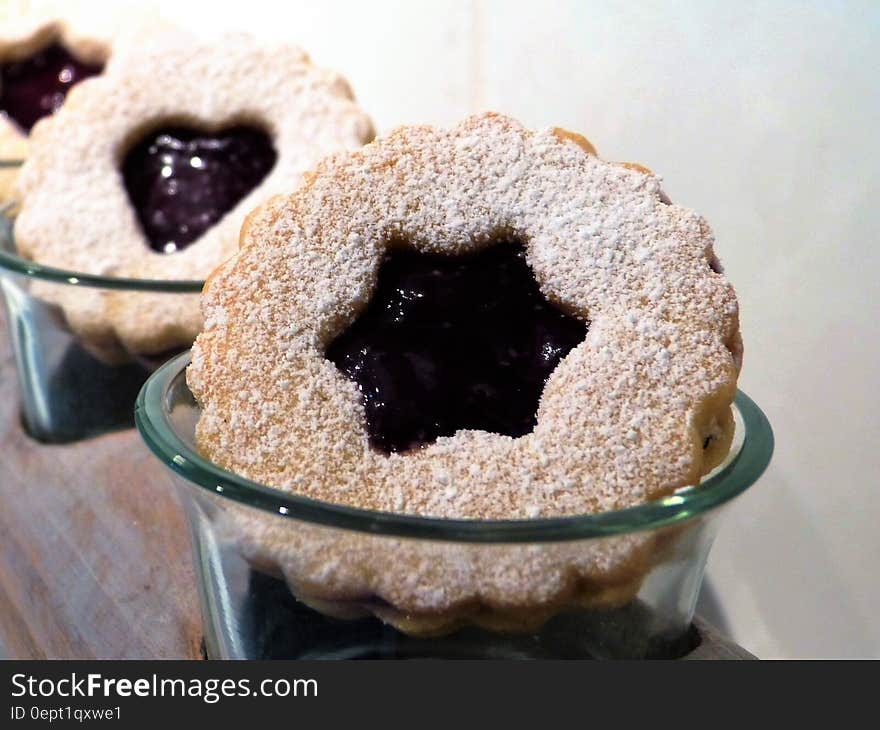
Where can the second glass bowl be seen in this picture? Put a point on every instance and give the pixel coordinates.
(71, 388)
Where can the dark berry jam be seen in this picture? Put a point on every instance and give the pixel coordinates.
(182, 181)
(35, 87)
(453, 342)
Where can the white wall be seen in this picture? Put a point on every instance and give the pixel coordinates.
(763, 116)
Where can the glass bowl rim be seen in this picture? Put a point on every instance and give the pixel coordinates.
(738, 475)
(15, 264)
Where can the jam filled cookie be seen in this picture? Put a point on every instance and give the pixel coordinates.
(148, 170)
(481, 323)
(41, 59)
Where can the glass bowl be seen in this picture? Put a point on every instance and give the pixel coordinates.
(248, 539)
(72, 387)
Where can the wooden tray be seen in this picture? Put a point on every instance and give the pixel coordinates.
(95, 558)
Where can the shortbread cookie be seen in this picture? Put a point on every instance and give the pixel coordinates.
(325, 333)
(182, 139)
(42, 56)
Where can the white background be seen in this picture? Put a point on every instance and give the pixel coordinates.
(764, 117)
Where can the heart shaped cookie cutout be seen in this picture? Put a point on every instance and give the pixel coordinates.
(181, 181)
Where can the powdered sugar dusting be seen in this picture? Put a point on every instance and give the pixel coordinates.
(78, 216)
(622, 419)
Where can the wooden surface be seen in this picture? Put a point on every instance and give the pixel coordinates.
(94, 553)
